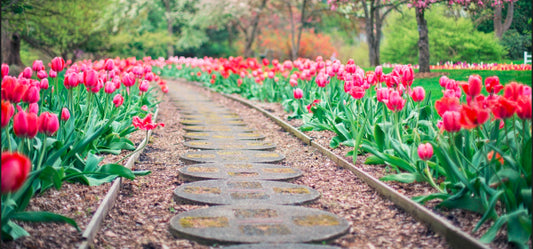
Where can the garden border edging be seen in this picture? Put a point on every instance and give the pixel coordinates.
(109, 200)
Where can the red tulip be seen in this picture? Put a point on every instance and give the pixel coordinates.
(146, 123)
(164, 88)
(395, 102)
(312, 104)
(38, 66)
(473, 116)
(498, 157)
(149, 76)
(58, 64)
(5, 70)
(71, 80)
(49, 123)
(7, 112)
(451, 121)
(298, 93)
(503, 108)
(15, 169)
(418, 94)
(473, 87)
(492, 84)
(382, 94)
(25, 124)
(512, 91)
(425, 151)
(447, 104)
(65, 114)
(118, 100)
(524, 107)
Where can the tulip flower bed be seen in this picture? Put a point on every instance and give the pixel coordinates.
(473, 149)
(474, 66)
(58, 125)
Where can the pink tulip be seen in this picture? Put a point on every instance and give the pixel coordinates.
(128, 79)
(451, 121)
(41, 74)
(382, 94)
(65, 114)
(425, 151)
(25, 124)
(31, 95)
(44, 84)
(90, 78)
(298, 93)
(49, 123)
(143, 87)
(52, 73)
(109, 65)
(118, 100)
(37, 66)
(418, 94)
(357, 92)
(109, 87)
(33, 108)
(15, 169)
(395, 102)
(71, 80)
(5, 69)
(27, 73)
(164, 88)
(58, 64)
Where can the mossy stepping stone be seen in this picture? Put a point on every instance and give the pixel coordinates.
(258, 224)
(217, 128)
(280, 246)
(225, 136)
(231, 191)
(206, 122)
(248, 171)
(211, 116)
(218, 144)
(222, 156)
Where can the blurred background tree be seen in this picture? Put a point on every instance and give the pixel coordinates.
(92, 29)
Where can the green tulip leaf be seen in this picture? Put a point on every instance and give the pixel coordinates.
(44, 217)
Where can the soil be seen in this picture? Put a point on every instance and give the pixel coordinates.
(140, 217)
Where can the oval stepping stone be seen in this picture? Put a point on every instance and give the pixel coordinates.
(257, 224)
(212, 122)
(231, 191)
(280, 246)
(224, 136)
(217, 128)
(211, 116)
(229, 145)
(248, 171)
(222, 156)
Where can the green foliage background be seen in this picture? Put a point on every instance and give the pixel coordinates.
(451, 38)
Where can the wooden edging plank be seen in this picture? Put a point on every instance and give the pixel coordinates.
(109, 200)
(453, 235)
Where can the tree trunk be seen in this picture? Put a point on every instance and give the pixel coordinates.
(11, 49)
(300, 29)
(499, 27)
(294, 52)
(250, 38)
(369, 29)
(423, 42)
(170, 46)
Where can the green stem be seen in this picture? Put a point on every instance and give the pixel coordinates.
(43, 151)
(89, 109)
(397, 126)
(430, 179)
(138, 149)
(8, 140)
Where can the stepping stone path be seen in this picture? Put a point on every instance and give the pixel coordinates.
(253, 207)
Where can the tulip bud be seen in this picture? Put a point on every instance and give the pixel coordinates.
(109, 87)
(44, 84)
(27, 72)
(90, 78)
(49, 123)
(33, 108)
(41, 74)
(52, 73)
(109, 65)
(425, 151)
(31, 95)
(15, 169)
(128, 79)
(418, 94)
(65, 114)
(143, 87)
(451, 121)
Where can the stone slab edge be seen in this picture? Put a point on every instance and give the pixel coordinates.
(453, 235)
(109, 200)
